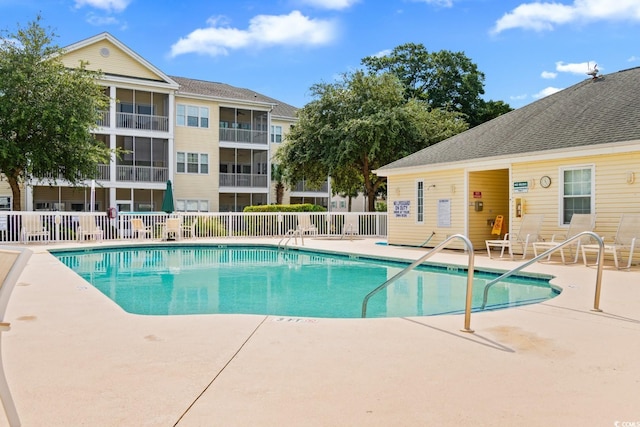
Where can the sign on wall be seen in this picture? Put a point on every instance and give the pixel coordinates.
(521, 186)
(444, 213)
(401, 208)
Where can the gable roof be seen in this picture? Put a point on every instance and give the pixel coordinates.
(592, 112)
(158, 75)
(224, 91)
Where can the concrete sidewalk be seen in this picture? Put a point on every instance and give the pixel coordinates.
(74, 358)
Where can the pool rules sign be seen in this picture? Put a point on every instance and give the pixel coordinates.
(401, 208)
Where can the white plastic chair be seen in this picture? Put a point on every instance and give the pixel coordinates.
(579, 223)
(138, 229)
(627, 236)
(89, 228)
(528, 233)
(32, 227)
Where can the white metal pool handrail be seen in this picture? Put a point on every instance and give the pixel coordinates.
(600, 262)
(438, 248)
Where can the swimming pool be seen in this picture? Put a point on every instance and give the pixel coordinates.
(178, 280)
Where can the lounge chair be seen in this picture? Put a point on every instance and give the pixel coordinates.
(89, 228)
(172, 229)
(32, 227)
(189, 229)
(12, 262)
(139, 230)
(528, 233)
(579, 223)
(627, 236)
(350, 226)
(305, 226)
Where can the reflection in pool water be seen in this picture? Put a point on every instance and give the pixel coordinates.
(264, 280)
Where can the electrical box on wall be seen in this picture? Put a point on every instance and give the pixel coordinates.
(479, 206)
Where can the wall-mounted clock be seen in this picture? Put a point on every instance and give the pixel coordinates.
(545, 181)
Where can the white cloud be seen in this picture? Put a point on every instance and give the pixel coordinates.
(382, 53)
(633, 58)
(546, 92)
(330, 4)
(98, 21)
(575, 68)
(442, 3)
(548, 75)
(540, 16)
(293, 29)
(518, 97)
(108, 5)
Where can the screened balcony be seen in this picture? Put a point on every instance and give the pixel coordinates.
(140, 110)
(246, 126)
(143, 159)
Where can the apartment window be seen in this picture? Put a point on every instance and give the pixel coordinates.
(276, 133)
(192, 163)
(577, 192)
(420, 201)
(5, 203)
(192, 205)
(192, 116)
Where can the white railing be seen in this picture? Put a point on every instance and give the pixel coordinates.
(29, 227)
(142, 121)
(142, 173)
(243, 180)
(243, 135)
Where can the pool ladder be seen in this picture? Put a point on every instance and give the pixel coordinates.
(423, 258)
(470, 270)
(288, 235)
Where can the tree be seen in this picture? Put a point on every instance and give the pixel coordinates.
(47, 113)
(277, 175)
(360, 123)
(444, 79)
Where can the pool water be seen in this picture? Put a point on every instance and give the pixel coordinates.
(182, 280)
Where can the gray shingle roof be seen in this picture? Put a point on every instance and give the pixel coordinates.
(223, 90)
(592, 112)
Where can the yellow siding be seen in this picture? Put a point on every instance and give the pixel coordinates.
(118, 62)
(614, 195)
(274, 147)
(406, 231)
(199, 140)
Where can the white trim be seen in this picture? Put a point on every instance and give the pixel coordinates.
(506, 161)
(424, 191)
(561, 194)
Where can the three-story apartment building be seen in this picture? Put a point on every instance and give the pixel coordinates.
(215, 142)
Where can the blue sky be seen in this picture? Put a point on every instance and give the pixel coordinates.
(527, 49)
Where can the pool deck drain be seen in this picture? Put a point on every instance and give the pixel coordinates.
(73, 357)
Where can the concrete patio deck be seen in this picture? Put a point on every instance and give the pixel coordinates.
(74, 358)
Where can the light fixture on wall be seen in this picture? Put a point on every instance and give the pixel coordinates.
(431, 186)
(631, 177)
(397, 191)
(453, 189)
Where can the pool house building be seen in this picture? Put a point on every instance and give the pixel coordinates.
(576, 151)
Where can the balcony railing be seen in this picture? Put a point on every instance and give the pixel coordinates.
(142, 121)
(244, 135)
(104, 119)
(243, 180)
(104, 173)
(142, 173)
(303, 186)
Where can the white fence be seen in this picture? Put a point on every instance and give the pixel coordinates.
(27, 227)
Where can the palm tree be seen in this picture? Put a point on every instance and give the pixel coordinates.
(277, 173)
